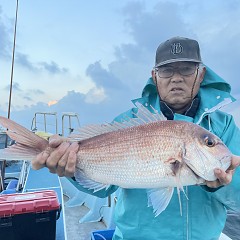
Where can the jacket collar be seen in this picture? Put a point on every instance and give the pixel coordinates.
(191, 111)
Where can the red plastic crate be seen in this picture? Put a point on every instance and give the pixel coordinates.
(25, 216)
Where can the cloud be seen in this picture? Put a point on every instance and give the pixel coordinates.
(149, 28)
(216, 28)
(15, 87)
(104, 78)
(74, 102)
(52, 102)
(89, 112)
(95, 96)
(28, 98)
(5, 36)
(36, 91)
(23, 60)
(133, 62)
(25, 116)
(53, 68)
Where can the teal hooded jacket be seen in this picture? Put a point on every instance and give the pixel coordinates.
(204, 212)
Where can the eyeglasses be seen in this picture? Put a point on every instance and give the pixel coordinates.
(166, 72)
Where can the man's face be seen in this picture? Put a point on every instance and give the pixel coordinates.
(178, 83)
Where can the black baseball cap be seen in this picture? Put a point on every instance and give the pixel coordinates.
(178, 49)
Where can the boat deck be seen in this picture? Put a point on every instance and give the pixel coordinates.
(75, 229)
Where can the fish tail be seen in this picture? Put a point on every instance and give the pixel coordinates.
(27, 145)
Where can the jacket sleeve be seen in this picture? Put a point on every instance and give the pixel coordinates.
(229, 195)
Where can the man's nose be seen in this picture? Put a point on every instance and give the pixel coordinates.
(176, 77)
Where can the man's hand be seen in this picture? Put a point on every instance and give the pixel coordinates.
(60, 158)
(224, 178)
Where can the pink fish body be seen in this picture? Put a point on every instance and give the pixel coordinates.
(153, 155)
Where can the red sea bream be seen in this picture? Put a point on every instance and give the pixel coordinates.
(144, 152)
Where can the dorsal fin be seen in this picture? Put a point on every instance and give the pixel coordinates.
(143, 116)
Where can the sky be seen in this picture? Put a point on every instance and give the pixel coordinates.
(92, 57)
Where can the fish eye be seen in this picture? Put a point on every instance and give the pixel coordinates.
(209, 141)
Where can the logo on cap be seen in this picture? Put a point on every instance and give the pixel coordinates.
(176, 48)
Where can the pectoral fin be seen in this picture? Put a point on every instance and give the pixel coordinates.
(88, 183)
(159, 199)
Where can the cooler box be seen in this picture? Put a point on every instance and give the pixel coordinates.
(29, 216)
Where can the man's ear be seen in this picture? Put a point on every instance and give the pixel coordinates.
(154, 76)
(202, 74)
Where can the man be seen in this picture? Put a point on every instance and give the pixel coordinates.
(183, 89)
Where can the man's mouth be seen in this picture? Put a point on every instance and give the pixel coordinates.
(176, 89)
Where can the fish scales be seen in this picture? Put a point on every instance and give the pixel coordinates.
(135, 156)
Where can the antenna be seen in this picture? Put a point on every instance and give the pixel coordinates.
(11, 81)
(13, 56)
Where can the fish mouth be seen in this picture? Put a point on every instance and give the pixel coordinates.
(225, 163)
(193, 169)
(199, 179)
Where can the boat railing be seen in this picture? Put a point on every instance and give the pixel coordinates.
(45, 118)
(69, 116)
(66, 122)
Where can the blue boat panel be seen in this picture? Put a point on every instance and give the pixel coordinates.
(41, 179)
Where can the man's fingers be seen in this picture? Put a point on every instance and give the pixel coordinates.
(71, 164)
(74, 147)
(67, 159)
(52, 161)
(61, 165)
(223, 178)
(59, 158)
(55, 140)
(235, 162)
(40, 161)
(45, 157)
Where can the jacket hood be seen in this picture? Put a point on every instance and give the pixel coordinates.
(213, 91)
